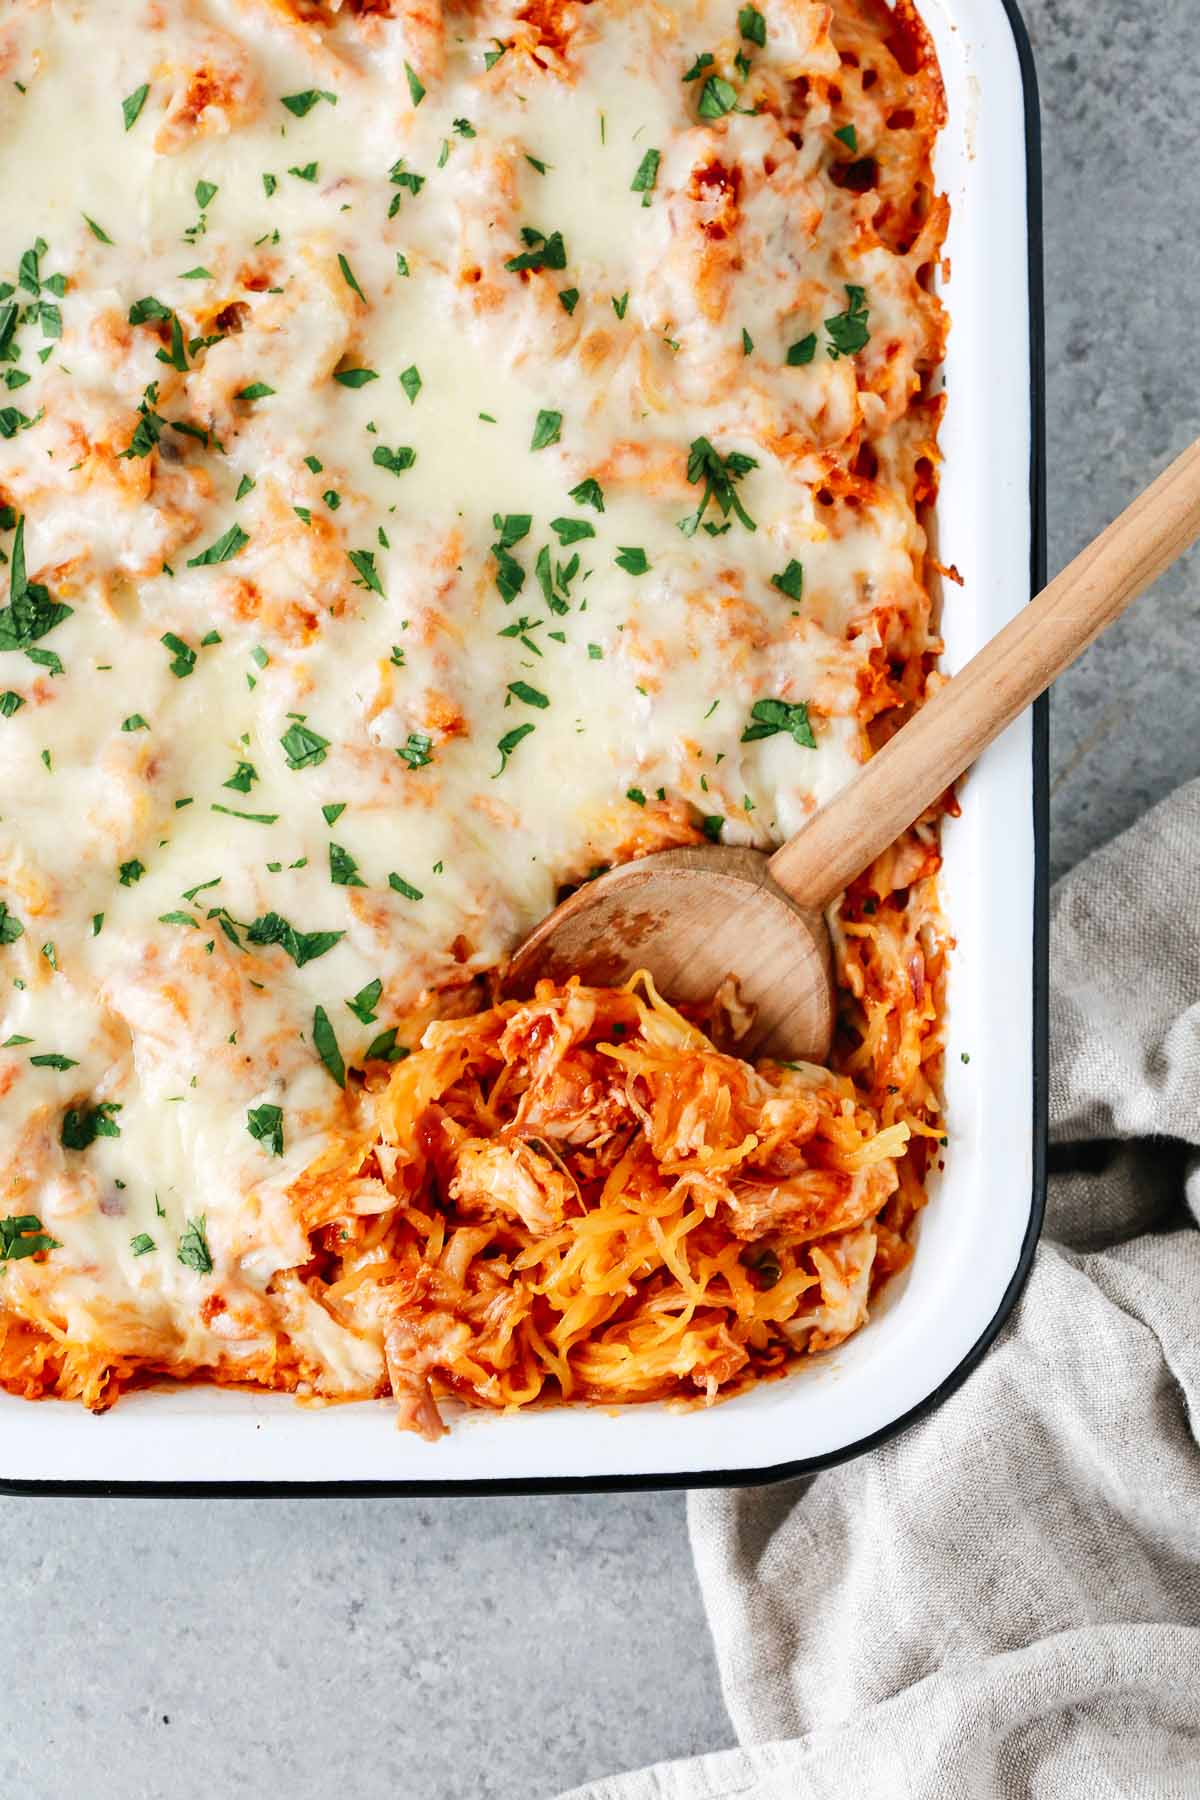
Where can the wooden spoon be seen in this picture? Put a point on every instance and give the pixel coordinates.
(695, 916)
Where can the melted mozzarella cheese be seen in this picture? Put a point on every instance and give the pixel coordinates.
(352, 723)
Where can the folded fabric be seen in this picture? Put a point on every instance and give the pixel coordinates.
(1005, 1602)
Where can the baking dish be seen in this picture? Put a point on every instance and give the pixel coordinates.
(977, 1234)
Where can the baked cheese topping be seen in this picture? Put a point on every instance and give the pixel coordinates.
(443, 450)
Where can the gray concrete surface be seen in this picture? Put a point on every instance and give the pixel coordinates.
(502, 1650)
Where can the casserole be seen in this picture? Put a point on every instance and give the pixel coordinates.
(919, 1341)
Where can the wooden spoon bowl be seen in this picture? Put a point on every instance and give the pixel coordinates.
(692, 916)
(696, 917)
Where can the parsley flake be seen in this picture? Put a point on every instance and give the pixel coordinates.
(265, 1123)
(363, 561)
(194, 1252)
(394, 461)
(508, 744)
(547, 430)
(226, 547)
(416, 750)
(183, 657)
(848, 331)
(303, 748)
(21, 1235)
(343, 870)
(772, 716)
(326, 1045)
(790, 581)
(366, 1000)
(131, 106)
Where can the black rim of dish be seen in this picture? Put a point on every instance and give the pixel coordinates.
(809, 1465)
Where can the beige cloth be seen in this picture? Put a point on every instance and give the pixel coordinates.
(1005, 1602)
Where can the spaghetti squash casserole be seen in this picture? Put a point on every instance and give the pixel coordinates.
(446, 447)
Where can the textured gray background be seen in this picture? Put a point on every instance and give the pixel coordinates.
(504, 1649)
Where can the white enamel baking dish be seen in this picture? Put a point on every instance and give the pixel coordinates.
(978, 1233)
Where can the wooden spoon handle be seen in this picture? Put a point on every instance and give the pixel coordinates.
(963, 717)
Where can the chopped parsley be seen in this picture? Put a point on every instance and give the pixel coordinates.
(82, 1125)
(303, 747)
(307, 173)
(366, 1000)
(363, 561)
(21, 1235)
(253, 818)
(53, 1059)
(410, 381)
(343, 870)
(131, 106)
(350, 278)
(265, 1123)
(256, 390)
(131, 872)
(414, 84)
(394, 461)
(719, 474)
(568, 299)
(541, 252)
(790, 581)
(183, 657)
(718, 97)
(620, 303)
(326, 1045)
(385, 1048)
(646, 176)
(416, 751)
(226, 547)
(572, 531)
(752, 26)
(10, 702)
(508, 744)
(97, 231)
(588, 493)
(303, 103)
(747, 342)
(30, 612)
(521, 690)
(636, 795)
(632, 559)
(405, 179)
(848, 331)
(355, 378)
(242, 779)
(194, 1252)
(302, 946)
(547, 429)
(407, 889)
(244, 487)
(142, 1244)
(772, 716)
(849, 137)
(11, 927)
(333, 811)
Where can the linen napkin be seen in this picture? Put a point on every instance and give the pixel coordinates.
(1005, 1601)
